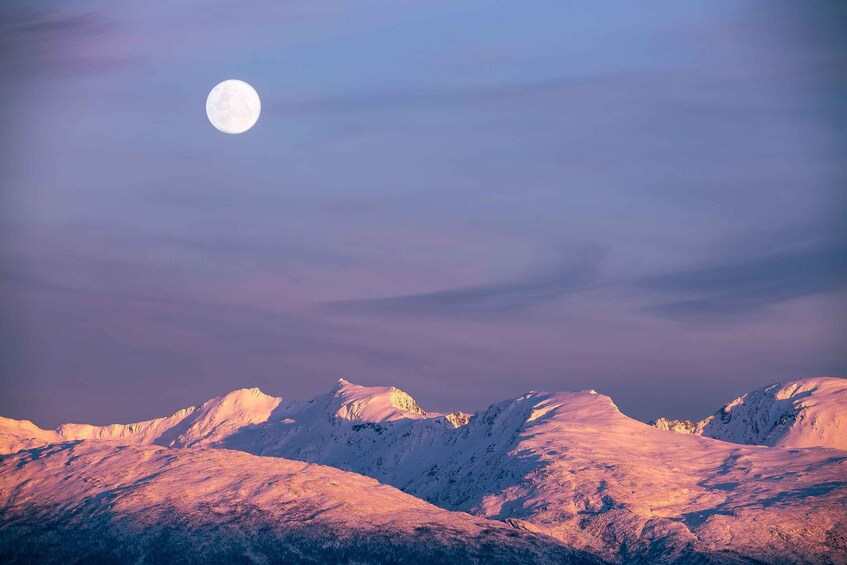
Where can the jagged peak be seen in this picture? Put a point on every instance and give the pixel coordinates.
(351, 401)
(679, 426)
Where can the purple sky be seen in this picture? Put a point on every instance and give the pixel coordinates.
(464, 200)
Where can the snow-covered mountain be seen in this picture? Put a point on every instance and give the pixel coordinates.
(97, 502)
(568, 465)
(218, 418)
(224, 417)
(798, 413)
(23, 434)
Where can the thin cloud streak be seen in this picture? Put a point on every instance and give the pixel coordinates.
(577, 274)
(45, 39)
(738, 287)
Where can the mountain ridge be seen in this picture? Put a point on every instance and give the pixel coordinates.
(795, 413)
(347, 401)
(569, 465)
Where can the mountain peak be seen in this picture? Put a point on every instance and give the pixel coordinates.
(350, 401)
(222, 416)
(796, 413)
(244, 395)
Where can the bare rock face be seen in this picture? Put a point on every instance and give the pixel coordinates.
(678, 426)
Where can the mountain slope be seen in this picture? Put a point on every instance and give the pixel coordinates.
(23, 434)
(594, 478)
(101, 502)
(798, 413)
(572, 466)
(569, 465)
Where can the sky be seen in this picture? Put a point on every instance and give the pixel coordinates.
(466, 200)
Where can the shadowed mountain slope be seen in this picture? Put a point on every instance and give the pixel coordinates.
(99, 502)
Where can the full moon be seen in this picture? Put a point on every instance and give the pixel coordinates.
(233, 106)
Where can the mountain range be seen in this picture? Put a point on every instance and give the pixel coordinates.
(545, 477)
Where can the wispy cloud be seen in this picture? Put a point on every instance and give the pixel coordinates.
(740, 286)
(580, 272)
(36, 37)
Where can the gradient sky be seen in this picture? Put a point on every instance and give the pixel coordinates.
(467, 200)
